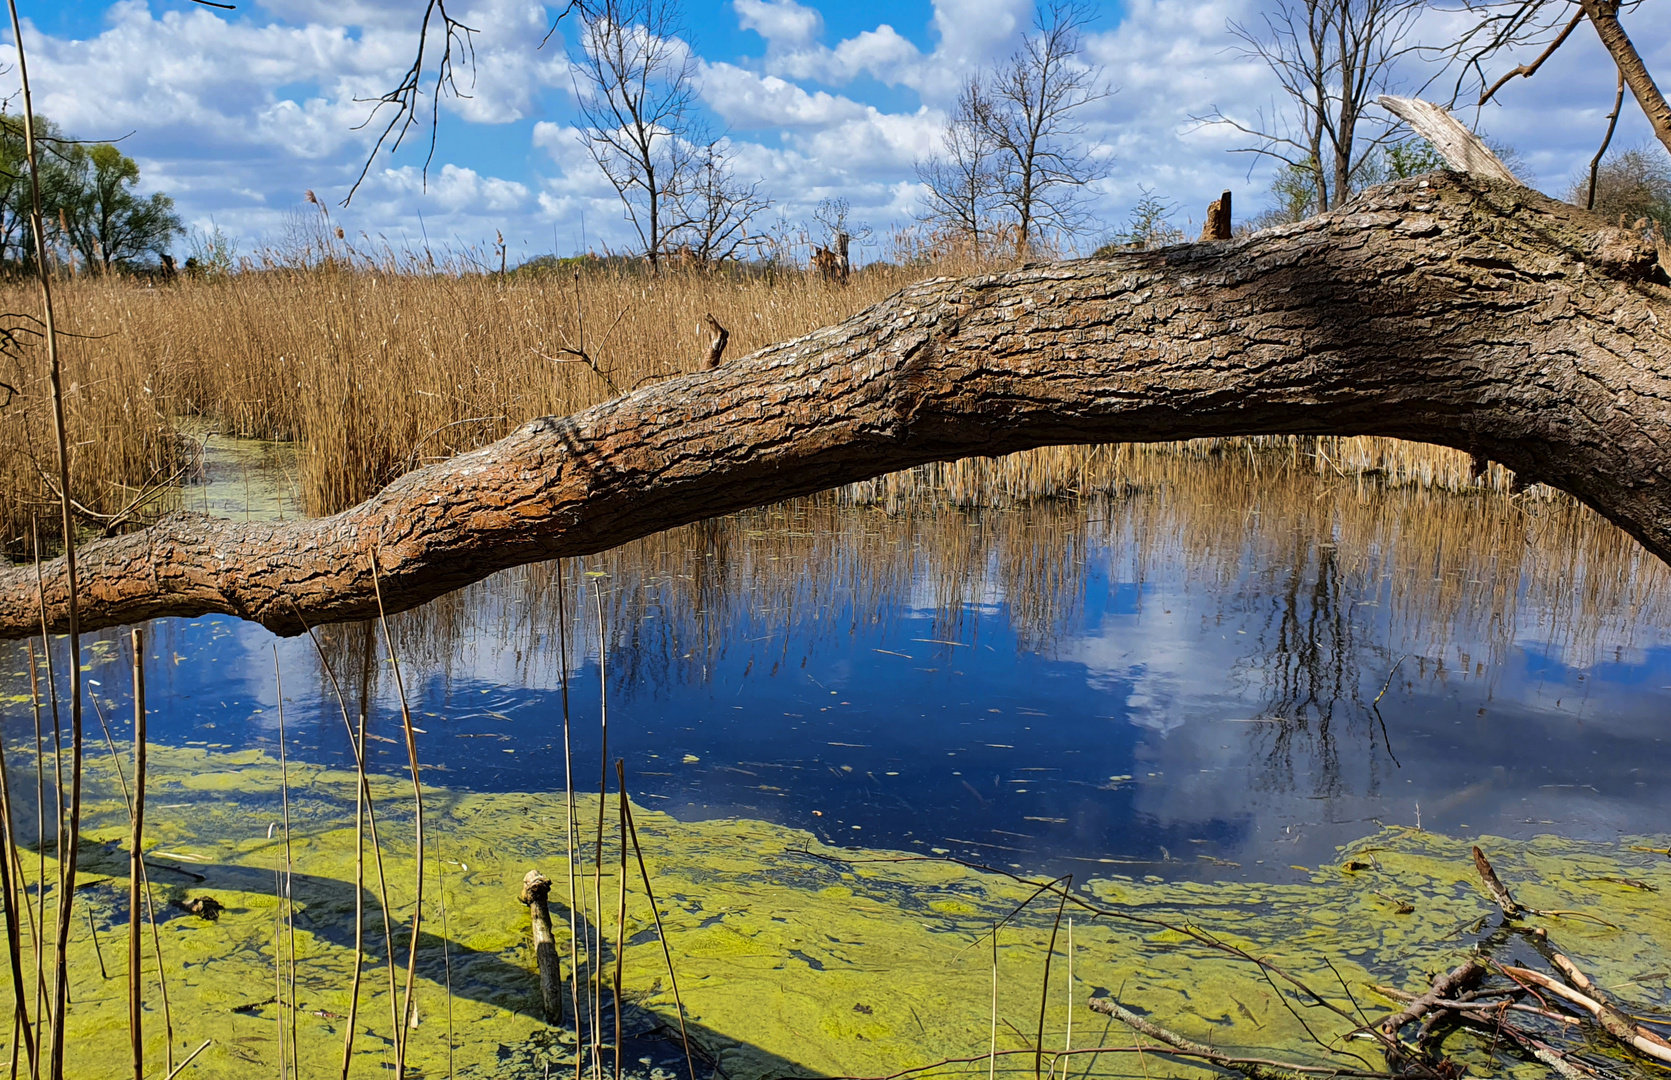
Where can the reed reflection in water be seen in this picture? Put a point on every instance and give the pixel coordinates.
(1176, 673)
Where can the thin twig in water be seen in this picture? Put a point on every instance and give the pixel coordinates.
(172, 1073)
(289, 863)
(1390, 674)
(568, 782)
(418, 818)
(661, 934)
(446, 951)
(278, 952)
(1067, 1037)
(1317, 1070)
(597, 858)
(1269, 970)
(136, 857)
(620, 912)
(1044, 991)
(992, 1052)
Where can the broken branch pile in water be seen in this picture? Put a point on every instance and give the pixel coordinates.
(1510, 1013)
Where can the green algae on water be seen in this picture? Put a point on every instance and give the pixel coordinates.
(793, 957)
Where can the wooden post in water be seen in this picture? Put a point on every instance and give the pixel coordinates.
(536, 891)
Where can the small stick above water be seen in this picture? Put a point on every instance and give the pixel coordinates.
(1499, 891)
(536, 892)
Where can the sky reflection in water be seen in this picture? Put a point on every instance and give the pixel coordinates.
(1178, 682)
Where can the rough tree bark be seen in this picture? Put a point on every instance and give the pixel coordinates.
(1447, 309)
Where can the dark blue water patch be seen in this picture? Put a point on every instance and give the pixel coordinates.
(1227, 719)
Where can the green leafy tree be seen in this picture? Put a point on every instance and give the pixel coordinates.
(60, 184)
(109, 223)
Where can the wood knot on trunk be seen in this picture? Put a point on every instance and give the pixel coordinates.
(536, 888)
(1622, 254)
(911, 383)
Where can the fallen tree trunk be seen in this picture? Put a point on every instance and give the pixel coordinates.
(1447, 309)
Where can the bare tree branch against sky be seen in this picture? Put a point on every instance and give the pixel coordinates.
(236, 113)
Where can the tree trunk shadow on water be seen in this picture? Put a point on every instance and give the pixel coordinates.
(325, 910)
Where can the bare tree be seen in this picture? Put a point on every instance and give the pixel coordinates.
(1632, 187)
(1032, 118)
(715, 208)
(961, 182)
(637, 109)
(1505, 25)
(1332, 58)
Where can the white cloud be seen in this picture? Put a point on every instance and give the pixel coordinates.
(744, 99)
(783, 23)
(454, 188)
(236, 115)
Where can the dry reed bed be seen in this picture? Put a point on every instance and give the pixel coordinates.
(377, 373)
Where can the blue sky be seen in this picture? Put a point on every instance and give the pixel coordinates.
(237, 114)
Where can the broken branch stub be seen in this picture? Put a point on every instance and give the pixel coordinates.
(1446, 309)
(717, 337)
(1461, 148)
(1217, 226)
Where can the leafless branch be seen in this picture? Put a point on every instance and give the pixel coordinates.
(1528, 70)
(455, 37)
(1606, 140)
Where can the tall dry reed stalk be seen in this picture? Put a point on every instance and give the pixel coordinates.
(55, 384)
(365, 813)
(402, 1029)
(139, 878)
(11, 888)
(136, 860)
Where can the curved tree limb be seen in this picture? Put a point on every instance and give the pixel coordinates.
(1447, 309)
(1604, 16)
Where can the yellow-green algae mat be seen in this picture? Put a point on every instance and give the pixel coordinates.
(793, 958)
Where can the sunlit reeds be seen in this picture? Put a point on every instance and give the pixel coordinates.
(378, 372)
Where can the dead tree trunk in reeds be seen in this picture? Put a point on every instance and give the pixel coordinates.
(1446, 309)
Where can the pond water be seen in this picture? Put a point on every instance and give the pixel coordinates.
(1210, 670)
(1223, 673)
